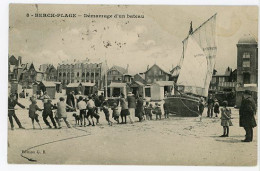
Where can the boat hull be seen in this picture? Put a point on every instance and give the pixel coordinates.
(183, 106)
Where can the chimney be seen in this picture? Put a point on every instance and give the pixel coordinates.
(127, 66)
(19, 60)
(147, 67)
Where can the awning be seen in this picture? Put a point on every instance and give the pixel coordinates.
(117, 85)
(48, 84)
(88, 84)
(165, 83)
(73, 85)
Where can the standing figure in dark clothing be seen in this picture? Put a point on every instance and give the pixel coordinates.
(12, 102)
(139, 112)
(210, 106)
(71, 101)
(247, 113)
(166, 110)
(47, 112)
(101, 98)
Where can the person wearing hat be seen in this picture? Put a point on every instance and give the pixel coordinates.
(247, 113)
(12, 102)
(131, 106)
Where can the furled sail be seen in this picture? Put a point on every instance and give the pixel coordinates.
(205, 37)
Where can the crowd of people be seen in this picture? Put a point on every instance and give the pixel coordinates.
(88, 109)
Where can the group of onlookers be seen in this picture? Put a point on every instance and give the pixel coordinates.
(131, 106)
(247, 112)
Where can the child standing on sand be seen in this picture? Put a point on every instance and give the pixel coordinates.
(225, 119)
(148, 111)
(116, 113)
(216, 107)
(32, 113)
(157, 111)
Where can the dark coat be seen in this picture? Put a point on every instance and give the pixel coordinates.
(71, 100)
(139, 112)
(12, 104)
(246, 113)
(47, 109)
(131, 102)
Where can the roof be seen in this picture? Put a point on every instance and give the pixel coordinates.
(118, 85)
(162, 67)
(141, 75)
(88, 84)
(164, 83)
(176, 71)
(73, 85)
(119, 68)
(247, 39)
(48, 84)
(137, 82)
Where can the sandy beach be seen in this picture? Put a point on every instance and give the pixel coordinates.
(173, 141)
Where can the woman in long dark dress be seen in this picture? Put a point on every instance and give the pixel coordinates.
(139, 113)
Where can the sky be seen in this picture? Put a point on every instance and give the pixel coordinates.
(156, 38)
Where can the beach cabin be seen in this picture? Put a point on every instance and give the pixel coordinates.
(240, 91)
(160, 88)
(76, 87)
(40, 87)
(115, 89)
(58, 87)
(137, 88)
(88, 88)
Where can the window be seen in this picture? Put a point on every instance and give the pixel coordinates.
(221, 79)
(64, 74)
(246, 64)
(77, 74)
(246, 78)
(83, 74)
(246, 55)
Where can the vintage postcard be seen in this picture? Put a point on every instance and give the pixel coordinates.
(132, 85)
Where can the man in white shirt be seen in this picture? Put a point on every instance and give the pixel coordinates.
(82, 106)
(91, 107)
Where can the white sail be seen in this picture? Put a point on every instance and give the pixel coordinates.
(194, 68)
(205, 36)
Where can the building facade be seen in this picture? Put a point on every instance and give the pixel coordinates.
(50, 73)
(223, 81)
(247, 60)
(92, 71)
(156, 73)
(14, 68)
(117, 74)
(30, 75)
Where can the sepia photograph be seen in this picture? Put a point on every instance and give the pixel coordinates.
(152, 85)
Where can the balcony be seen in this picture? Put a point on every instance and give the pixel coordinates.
(227, 84)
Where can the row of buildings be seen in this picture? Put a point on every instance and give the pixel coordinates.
(96, 73)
